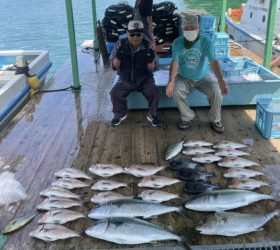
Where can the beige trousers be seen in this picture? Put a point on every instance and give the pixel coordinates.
(207, 86)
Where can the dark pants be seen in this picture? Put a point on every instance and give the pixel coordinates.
(122, 89)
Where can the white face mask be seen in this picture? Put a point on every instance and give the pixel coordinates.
(190, 35)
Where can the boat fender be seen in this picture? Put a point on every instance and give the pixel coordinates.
(34, 82)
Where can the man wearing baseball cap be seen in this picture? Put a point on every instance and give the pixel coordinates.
(135, 62)
(192, 54)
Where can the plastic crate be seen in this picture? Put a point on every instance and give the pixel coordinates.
(221, 51)
(209, 34)
(221, 39)
(226, 63)
(268, 117)
(240, 68)
(207, 23)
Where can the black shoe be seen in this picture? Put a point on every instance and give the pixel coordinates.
(154, 120)
(117, 121)
(218, 127)
(183, 125)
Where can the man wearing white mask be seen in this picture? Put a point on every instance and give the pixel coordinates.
(189, 69)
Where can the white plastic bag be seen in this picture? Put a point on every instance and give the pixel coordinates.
(11, 190)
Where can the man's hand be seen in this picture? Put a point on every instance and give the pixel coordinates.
(119, 51)
(223, 87)
(169, 89)
(151, 65)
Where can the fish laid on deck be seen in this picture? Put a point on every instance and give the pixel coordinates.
(72, 173)
(143, 170)
(106, 170)
(157, 181)
(241, 173)
(52, 232)
(206, 158)
(236, 162)
(197, 150)
(17, 223)
(130, 208)
(69, 183)
(104, 185)
(229, 145)
(129, 231)
(193, 175)
(59, 192)
(157, 195)
(60, 216)
(173, 150)
(233, 224)
(249, 184)
(197, 143)
(231, 152)
(108, 196)
(225, 199)
(48, 204)
(180, 164)
(196, 187)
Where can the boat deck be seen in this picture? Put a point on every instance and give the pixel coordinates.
(61, 129)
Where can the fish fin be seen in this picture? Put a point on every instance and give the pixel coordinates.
(260, 229)
(184, 243)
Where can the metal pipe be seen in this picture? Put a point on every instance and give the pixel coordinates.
(72, 42)
(223, 16)
(94, 20)
(269, 33)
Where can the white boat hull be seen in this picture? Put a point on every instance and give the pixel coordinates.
(15, 89)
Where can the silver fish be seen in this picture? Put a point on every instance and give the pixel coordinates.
(17, 223)
(143, 170)
(106, 170)
(225, 199)
(60, 216)
(129, 231)
(48, 204)
(197, 143)
(248, 184)
(130, 208)
(233, 224)
(72, 173)
(231, 152)
(241, 173)
(52, 232)
(69, 183)
(206, 158)
(157, 195)
(173, 150)
(59, 192)
(108, 196)
(229, 145)
(104, 185)
(197, 150)
(236, 162)
(156, 181)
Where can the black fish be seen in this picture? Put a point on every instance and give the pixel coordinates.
(193, 175)
(180, 164)
(196, 187)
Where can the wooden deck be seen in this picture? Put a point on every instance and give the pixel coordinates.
(62, 129)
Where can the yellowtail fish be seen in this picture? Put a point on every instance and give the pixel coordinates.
(17, 223)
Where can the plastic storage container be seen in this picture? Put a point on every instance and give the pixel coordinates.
(221, 51)
(240, 68)
(268, 117)
(221, 39)
(207, 23)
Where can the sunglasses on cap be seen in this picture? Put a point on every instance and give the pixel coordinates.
(135, 34)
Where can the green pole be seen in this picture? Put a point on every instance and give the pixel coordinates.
(94, 19)
(223, 16)
(71, 32)
(269, 33)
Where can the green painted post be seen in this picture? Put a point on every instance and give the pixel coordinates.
(223, 16)
(72, 41)
(94, 17)
(269, 33)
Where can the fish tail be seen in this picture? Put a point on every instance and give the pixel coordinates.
(184, 243)
(184, 213)
(275, 195)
